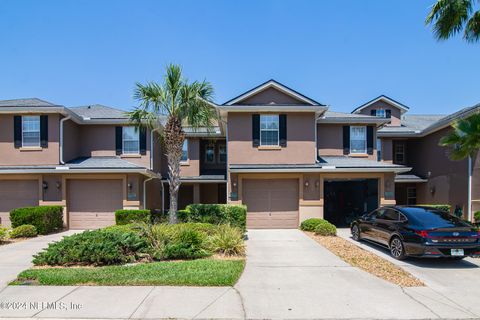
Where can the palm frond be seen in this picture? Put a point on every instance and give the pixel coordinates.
(449, 16)
(464, 138)
(472, 29)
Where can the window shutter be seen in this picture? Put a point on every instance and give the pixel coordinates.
(118, 141)
(44, 131)
(255, 130)
(283, 130)
(346, 140)
(388, 113)
(373, 112)
(370, 139)
(17, 131)
(143, 140)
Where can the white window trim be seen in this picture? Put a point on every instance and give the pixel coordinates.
(384, 113)
(39, 133)
(137, 132)
(214, 157)
(188, 153)
(278, 130)
(365, 129)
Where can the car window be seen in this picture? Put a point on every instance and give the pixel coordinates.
(431, 218)
(376, 214)
(391, 215)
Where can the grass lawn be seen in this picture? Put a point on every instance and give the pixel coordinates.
(201, 272)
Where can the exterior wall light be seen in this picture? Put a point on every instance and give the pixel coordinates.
(45, 185)
(307, 183)
(58, 185)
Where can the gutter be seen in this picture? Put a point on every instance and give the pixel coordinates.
(328, 169)
(61, 138)
(66, 169)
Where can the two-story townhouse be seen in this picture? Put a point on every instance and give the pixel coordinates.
(289, 159)
(413, 140)
(87, 159)
(281, 153)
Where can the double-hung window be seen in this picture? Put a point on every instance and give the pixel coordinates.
(411, 196)
(185, 151)
(31, 131)
(269, 129)
(399, 153)
(380, 113)
(222, 154)
(131, 140)
(358, 139)
(210, 153)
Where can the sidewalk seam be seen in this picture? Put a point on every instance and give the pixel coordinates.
(62, 297)
(241, 302)
(141, 302)
(421, 303)
(211, 303)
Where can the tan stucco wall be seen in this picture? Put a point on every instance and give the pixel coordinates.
(271, 96)
(330, 140)
(300, 141)
(11, 156)
(447, 178)
(396, 113)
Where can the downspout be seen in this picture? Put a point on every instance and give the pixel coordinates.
(228, 170)
(145, 192)
(316, 146)
(61, 138)
(163, 198)
(469, 197)
(151, 149)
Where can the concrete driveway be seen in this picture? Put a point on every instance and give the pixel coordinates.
(457, 281)
(17, 257)
(287, 276)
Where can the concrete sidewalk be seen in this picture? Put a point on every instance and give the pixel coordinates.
(288, 276)
(16, 257)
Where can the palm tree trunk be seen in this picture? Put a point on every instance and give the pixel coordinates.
(174, 137)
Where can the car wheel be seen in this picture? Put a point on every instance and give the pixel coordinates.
(397, 250)
(355, 232)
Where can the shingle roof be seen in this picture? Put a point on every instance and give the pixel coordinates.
(98, 111)
(409, 178)
(413, 123)
(26, 102)
(349, 162)
(334, 114)
(100, 162)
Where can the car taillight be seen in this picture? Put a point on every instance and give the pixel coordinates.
(422, 233)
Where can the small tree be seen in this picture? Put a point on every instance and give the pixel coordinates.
(464, 142)
(450, 17)
(172, 104)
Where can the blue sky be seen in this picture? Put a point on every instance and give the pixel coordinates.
(341, 53)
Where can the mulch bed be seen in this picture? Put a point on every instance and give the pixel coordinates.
(367, 261)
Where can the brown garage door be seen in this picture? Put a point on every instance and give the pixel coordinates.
(271, 203)
(16, 194)
(92, 203)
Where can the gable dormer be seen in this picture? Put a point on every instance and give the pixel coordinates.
(272, 92)
(383, 107)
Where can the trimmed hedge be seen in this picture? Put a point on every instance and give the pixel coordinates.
(310, 224)
(131, 216)
(442, 207)
(3, 233)
(23, 231)
(235, 215)
(46, 219)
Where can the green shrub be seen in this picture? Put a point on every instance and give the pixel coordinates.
(24, 231)
(442, 207)
(235, 215)
(132, 216)
(46, 219)
(3, 233)
(476, 216)
(228, 241)
(159, 216)
(187, 243)
(325, 228)
(310, 224)
(97, 247)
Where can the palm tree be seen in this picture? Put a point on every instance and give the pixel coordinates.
(178, 102)
(449, 17)
(464, 141)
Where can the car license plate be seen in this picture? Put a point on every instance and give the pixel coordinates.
(457, 252)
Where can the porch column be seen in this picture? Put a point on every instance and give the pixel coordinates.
(196, 193)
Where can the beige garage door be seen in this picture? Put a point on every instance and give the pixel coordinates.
(16, 194)
(92, 203)
(271, 203)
